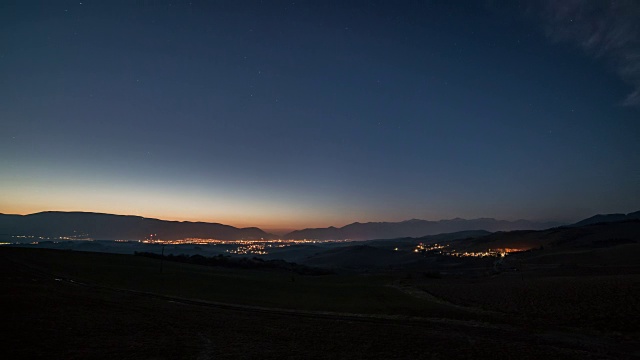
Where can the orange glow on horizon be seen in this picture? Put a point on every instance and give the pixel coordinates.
(279, 225)
(34, 194)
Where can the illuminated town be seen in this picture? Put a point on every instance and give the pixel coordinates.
(244, 247)
(263, 247)
(439, 249)
(489, 253)
(79, 236)
(423, 248)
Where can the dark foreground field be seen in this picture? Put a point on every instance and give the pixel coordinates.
(61, 304)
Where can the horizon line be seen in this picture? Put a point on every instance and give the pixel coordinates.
(280, 228)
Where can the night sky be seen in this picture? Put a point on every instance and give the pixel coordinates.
(315, 113)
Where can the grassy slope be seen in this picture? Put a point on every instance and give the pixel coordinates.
(270, 288)
(52, 319)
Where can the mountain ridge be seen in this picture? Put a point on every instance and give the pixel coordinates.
(605, 218)
(77, 224)
(414, 228)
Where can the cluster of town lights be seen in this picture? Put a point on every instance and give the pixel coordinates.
(440, 249)
(261, 246)
(258, 247)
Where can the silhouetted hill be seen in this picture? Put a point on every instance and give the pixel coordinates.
(610, 244)
(413, 228)
(107, 226)
(608, 218)
(410, 242)
(459, 235)
(360, 256)
(602, 234)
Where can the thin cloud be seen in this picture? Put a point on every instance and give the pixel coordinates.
(609, 30)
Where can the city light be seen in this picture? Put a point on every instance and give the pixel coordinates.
(440, 250)
(258, 247)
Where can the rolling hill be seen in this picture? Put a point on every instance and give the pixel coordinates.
(596, 219)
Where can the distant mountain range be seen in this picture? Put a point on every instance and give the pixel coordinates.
(79, 225)
(111, 227)
(608, 218)
(414, 228)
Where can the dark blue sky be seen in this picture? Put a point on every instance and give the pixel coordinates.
(314, 113)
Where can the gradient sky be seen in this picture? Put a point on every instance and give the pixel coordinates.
(291, 114)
